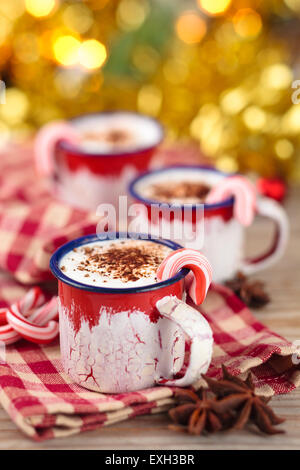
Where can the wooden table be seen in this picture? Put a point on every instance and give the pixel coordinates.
(150, 432)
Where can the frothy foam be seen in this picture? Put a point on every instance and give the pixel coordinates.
(115, 263)
(182, 191)
(177, 185)
(115, 132)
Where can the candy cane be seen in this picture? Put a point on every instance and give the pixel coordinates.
(44, 314)
(8, 335)
(197, 263)
(46, 141)
(3, 316)
(40, 316)
(33, 298)
(30, 331)
(243, 191)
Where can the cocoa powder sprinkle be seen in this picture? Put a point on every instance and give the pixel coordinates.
(125, 262)
(179, 190)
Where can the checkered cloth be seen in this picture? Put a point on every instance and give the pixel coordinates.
(44, 402)
(32, 223)
(39, 397)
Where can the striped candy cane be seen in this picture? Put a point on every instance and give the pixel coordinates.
(30, 331)
(32, 299)
(8, 335)
(197, 263)
(3, 316)
(27, 307)
(45, 143)
(46, 313)
(244, 193)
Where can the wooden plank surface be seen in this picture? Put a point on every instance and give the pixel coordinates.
(150, 432)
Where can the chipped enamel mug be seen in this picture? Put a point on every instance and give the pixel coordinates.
(118, 340)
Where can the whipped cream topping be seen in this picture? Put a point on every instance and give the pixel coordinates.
(114, 132)
(115, 263)
(186, 191)
(177, 185)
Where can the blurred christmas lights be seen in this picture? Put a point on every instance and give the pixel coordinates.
(78, 17)
(216, 70)
(190, 27)
(293, 5)
(66, 50)
(214, 7)
(131, 13)
(247, 23)
(149, 100)
(91, 54)
(40, 8)
(69, 51)
(284, 149)
(12, 10)
(277, 76)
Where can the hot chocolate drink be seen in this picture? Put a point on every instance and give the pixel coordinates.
(115, 264)
(183, 192)
(115, 132)
(175, 186)
(90, 159)
(118, 340)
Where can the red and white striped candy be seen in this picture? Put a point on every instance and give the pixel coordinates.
(3, 316)
(244, 193)
(28, 330)
(27, 307)
(32, 299)
(8, 335)
(197, 263)
(45, 142)
(46, 313)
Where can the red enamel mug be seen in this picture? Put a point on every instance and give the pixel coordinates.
(114, 340)
(90, 159)
(221, 238)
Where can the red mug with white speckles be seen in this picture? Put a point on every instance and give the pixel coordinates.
(222, 238)
(90, 159)
(117, 340)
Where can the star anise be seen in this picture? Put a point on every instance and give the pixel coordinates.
(250, 292)
(238, 398)
(196, 414)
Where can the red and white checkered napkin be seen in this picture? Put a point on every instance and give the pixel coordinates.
(39, 397)
(32, 223)
(44, 402)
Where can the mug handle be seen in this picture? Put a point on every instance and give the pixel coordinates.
(198, 340)
(269, 208)
(45, 143)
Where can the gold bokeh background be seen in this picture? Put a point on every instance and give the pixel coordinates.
(219, 72)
